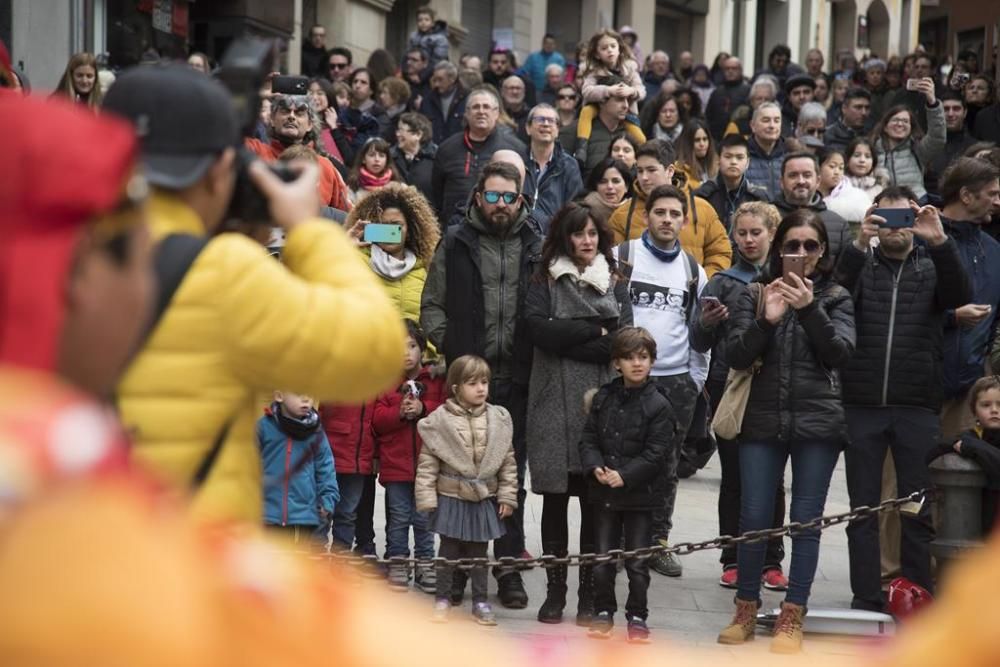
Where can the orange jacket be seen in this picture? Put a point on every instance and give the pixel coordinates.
(332, 189)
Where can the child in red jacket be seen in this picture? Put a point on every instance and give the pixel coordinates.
(395, 426)
(349, 431)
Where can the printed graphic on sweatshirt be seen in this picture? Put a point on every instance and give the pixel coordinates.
(658, 297)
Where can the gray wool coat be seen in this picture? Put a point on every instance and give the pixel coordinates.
(564, 317)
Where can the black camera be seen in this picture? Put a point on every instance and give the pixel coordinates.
(245, 67)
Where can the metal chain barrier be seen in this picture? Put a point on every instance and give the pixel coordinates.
(909, 504)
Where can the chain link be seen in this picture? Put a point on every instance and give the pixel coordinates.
(614, 555)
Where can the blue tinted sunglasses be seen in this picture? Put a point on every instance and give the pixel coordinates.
(493, 196)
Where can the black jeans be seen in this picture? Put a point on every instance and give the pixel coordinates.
(683, 394)
(555, 528)
(514, 397)
(910, 433)
(451, 549)
(364, 526)
(608, 528)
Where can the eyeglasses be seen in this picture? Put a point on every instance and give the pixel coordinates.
(338, 65)
(899, 121)
(544, 120)
(567, 97)
(794, 247)
(493, 197)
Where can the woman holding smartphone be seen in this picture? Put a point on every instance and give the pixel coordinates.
(754, 225)
(803, 336)
(902, 147)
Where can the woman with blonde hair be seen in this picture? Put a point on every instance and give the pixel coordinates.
(79, 81)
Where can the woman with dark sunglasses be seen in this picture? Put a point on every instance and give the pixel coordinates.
(804, 335)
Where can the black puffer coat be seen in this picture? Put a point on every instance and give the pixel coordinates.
(899, 308)
(796, 393)
(726, 286)
(628, 430)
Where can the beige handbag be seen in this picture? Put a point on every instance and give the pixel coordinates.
(728, 419)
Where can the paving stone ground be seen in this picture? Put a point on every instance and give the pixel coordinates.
(689, 610)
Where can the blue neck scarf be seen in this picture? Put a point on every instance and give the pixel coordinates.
(658, 253)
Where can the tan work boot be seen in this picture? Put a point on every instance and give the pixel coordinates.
(788, 629)
(744, 622)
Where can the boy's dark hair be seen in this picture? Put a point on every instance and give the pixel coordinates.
(667, 192)
(610, 80)
(662, 151)
(735, 140)
(630, 340)
(966, 172)
(895, 192)
(341, 51)
(857, 92)
(414, 331)
(799, 155)
(501, 169)
(952, 96)
(424, 9)
(981, 386)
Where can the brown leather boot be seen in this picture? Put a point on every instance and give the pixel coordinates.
(788, 629)
(744, 622)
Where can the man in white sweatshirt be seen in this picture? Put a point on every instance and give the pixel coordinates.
(655, 264)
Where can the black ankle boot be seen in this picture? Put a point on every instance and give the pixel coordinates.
(585, 597)
(551, 610)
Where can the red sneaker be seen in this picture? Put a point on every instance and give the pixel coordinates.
(729, 578)
(774, 580)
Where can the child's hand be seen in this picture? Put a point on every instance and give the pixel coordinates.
(411, 408)
(957, 446)
(613, 479)
(505, 511)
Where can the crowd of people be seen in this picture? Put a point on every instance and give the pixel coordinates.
(586, 256)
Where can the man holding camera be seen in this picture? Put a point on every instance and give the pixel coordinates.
(236, 323)
(293, 122)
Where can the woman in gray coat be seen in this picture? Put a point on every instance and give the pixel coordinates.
(573, 308)
(901, 146)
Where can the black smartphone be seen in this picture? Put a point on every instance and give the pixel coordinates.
(793, 264)
(895, 218)
(290, 85)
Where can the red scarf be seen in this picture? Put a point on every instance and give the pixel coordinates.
(370, 181)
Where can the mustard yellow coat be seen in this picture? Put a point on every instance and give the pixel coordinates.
(705, 239)
(241, 325)
(406, 291)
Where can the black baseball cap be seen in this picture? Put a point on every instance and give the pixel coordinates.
(182, 117)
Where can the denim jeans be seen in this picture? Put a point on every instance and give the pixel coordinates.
(514, 397)
(910, 433)
(609, 525)
(761, 465)
(345, 514)
(402, 509)
(683, 395)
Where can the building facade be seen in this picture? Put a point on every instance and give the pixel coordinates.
(953, 26)
(42, 34)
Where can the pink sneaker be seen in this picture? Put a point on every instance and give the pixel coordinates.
(729, 578)
(774, 580)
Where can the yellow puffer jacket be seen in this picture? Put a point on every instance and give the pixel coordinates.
(239, 325)
(406, 291)
(703, 236)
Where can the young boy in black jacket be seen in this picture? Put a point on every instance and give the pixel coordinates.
(624, 447)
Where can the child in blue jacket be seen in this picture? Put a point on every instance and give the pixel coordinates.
(300, 485)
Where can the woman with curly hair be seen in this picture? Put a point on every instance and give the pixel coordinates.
(401, 266)
(79, 81)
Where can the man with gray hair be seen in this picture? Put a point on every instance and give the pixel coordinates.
(811, 125)
(554, 79)
(461, 157)
(553, 175)
(763, 89)
(657, 71)
(444, 106)
(767, 148)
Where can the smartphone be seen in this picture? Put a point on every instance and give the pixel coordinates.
(709, 302)
(895, 218)
(290, 85)
(913, 84)
(960, 79)
(379, 233)
(793, 264)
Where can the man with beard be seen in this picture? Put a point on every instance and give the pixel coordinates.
(799, 184)
(472, 304)
(891, 393)
(461, 157)
(293, 121)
